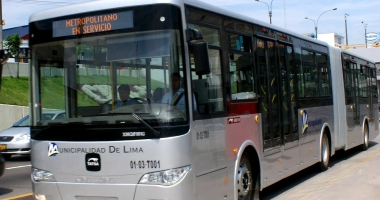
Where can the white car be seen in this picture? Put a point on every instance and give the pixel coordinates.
(16, 139)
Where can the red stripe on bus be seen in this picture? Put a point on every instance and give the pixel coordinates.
(242, 108)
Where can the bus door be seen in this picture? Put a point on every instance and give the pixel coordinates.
(352, 99)
(288, 107)
(369, 104)
(275, 102)
(373, 95)
(364, 100)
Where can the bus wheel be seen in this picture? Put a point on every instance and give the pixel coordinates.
(245, 184)
(365, 138)
(325, 153)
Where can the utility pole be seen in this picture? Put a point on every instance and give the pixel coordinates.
(1, 26)
(345, 22)
(365, 33)
(1, 41)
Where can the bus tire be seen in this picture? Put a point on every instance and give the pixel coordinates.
(247, 180)
(365, 138)
(325, 153)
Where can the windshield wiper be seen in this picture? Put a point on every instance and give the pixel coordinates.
(146, 125)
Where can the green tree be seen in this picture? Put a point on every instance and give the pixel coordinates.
(12, 44)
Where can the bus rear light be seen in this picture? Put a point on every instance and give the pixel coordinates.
(167, 177)
(39, 175)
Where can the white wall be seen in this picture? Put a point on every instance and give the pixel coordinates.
(327, 37)
(9, 114)
(10, 69)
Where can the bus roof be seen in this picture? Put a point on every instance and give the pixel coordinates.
(112, 4)
(91, 6)
(222, 11)
(348, 52)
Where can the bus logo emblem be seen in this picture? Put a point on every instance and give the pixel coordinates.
(233, 120)
(52, 149)
(93, 162)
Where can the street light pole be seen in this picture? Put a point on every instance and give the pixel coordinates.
(269, 9)
(285, 13)
(315, 28)
(316, 24)
(365, 34)
(345, 22)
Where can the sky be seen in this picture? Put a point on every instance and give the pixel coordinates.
(289, 14)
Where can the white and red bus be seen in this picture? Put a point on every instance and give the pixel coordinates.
(256, 103)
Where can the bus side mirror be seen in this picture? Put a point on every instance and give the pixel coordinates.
(193, 34)
(200, 51)
(201, 59)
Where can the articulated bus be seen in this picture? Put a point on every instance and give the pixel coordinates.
(257, 103)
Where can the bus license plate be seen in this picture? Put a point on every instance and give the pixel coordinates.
(3, 146)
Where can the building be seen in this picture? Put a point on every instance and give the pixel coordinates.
(333, 39)
(23, 32)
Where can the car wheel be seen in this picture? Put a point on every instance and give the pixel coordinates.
(7, 156)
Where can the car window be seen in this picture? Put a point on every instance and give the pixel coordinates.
(47, 116)
(61, 116)
(22, 122)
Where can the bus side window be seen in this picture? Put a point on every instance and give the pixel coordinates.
(208, 89)
(241, 77)
(241, 67)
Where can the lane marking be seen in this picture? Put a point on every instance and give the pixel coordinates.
(18, 167)
(19, 196)
(342, 174)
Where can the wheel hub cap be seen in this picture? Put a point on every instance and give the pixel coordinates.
(244, 181)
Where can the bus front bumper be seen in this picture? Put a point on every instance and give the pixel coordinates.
(61, 191)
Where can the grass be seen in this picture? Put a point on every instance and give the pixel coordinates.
(15, 91)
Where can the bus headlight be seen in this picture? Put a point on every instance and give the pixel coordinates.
(39, 175)
(167, 177)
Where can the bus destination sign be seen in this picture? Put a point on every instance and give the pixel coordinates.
(93, 24)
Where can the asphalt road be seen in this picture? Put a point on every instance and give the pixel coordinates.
(352, 174)
(16, 178)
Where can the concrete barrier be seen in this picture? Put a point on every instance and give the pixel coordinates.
(10, 114)
(10, 69)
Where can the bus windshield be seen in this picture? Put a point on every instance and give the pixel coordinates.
(112, 78)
